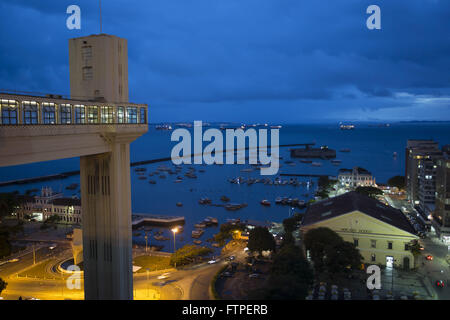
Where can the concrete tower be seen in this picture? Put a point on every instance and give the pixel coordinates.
(99, 68)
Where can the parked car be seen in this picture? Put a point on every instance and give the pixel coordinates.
(253, 275)
(231, 258)
(212, 261)
(429, 257)
(440, 283)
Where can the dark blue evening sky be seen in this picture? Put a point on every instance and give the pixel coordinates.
(248, 60)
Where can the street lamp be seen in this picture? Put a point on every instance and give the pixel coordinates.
(174, 230)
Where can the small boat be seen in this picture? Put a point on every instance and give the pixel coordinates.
(224, 198)
(200, 225)
(316, 164)
(178, 181)
(394, 154)
(204, 201)
(305, 161)
(142, 178)
(160, 238)
(152, 181)
(233, 207)
(197, 241)
(265, 202)
(140, 169)
(336, 162)
(216, 245)
(213, 220)
(197, 233)
(179, 204)
(278, 200)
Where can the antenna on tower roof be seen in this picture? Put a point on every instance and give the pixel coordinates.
(100, 5)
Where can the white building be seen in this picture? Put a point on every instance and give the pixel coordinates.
(356, 177)
(48, 204)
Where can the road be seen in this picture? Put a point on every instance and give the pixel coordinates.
(184, 284)
(438, 268)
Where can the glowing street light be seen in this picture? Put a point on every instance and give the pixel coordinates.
(174, 230)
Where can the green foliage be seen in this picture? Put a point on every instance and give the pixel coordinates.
(342, 256)
(414, 247)
(151, 262)
(316, 241)
(188, 253)
(369, 191)
(329, 252)
(291, 224)
(260, 239)
(226, 232)
(8, 202)
(324, 182)
(397, 181)
(290, 275)
(3, 285)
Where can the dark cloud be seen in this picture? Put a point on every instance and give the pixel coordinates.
(204, 58)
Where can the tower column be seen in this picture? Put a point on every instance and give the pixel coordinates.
(106, 214)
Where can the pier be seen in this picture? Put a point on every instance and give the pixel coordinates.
(139, 220)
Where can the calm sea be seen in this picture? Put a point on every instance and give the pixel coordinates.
(371, 147)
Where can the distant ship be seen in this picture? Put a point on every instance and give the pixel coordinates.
(347, 126)
(163, 127)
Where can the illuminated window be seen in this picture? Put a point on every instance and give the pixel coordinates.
(131, 115)
(79, 113)
(143, 115)
(65, 114)
(30, 112)
(48, 113)
(107, 114)
(120, 114)
(9, 114)
(92, 114)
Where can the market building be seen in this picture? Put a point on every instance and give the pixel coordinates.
(381, 233)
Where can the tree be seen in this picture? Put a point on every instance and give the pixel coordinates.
(341, 257)
(5, 246)
(397, 181)
(260, 239)
(316, 241)
(369, 191)
(3, 285)
(188, 253)
(291, 224)
(8, 202)
(290, 275)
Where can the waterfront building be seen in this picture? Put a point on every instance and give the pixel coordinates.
(441, 213)
(356, 177)
(381, 233)
(48, 204)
